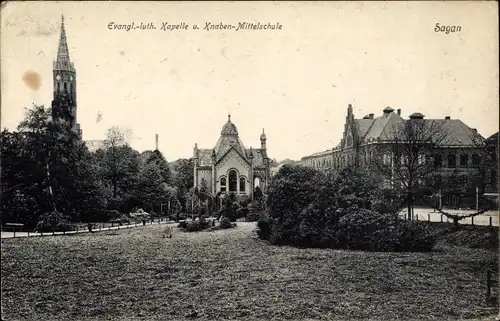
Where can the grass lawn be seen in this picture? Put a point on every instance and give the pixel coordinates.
(136, 274)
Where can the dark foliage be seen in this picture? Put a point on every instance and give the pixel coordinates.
(338, 210)
(225, 223)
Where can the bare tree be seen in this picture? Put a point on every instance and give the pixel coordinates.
(405, 159)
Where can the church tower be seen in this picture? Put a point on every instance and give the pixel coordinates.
(64, 86)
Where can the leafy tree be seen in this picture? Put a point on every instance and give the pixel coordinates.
(183, 180)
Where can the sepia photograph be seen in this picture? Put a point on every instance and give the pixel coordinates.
(310, 160)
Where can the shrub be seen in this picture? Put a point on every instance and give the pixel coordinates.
(253, 216)
(244, 201)
(225, 223)
(264, 227)
(53, 221)
(368, 230)
(255, 210)
(194, 226)
(241, 212)
(292, 189)
(341, 210)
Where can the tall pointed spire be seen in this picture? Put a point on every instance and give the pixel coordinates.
(63, 62)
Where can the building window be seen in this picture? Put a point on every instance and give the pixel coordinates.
(452, 160)
(475, 160)
(233, 181)
(387, 159)
(242, 184)
(223, 184)
(65, 87)
(464, 160)
(438, 160)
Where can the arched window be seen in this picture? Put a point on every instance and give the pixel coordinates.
(223, 184)
(65, 87)
(256, 182)
(233, 181)
(243, 184)
(58, 87)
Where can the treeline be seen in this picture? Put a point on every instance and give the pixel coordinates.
(46, 169)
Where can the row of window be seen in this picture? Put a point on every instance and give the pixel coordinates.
(233, 183)
(342, 161)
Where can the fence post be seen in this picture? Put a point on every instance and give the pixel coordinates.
(441, 218)
(491, 220)
(472, 220)
(488, 284)
(28, 234)
(416, 216)
(14, 233)
(429, 216)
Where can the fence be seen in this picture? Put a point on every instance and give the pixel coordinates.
(84, 228)
(484, 219)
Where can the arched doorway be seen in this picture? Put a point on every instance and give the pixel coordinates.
(256, 182)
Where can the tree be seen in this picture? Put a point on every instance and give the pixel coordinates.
(162, 164)
(183, 180)
(116, 139)
(406, 160)
(48, 170)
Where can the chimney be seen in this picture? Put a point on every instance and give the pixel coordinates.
(416, 116)
(399, 111)
(447, 117)
(388, 110)
(371, 116)
(156, 141)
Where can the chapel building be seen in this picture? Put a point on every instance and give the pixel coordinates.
(229, 167)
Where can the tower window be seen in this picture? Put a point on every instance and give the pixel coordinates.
(438, 160)
(65, 87)
(242, 184)
(223, 184)
(476, 160)
(233, 181)
(452, 160)
(464, 160)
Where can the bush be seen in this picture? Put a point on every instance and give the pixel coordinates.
(264, 227)
(244, 201)
(225, 222)
(341, 211)
(253, 216)
(241, 212)
(53, 222)
(194, 226)
(255, 210)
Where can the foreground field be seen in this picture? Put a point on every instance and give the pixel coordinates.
(137, 274)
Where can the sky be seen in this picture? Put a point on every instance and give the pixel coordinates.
(296, 82)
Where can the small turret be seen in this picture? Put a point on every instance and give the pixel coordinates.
(195, 150)
(263, 139)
